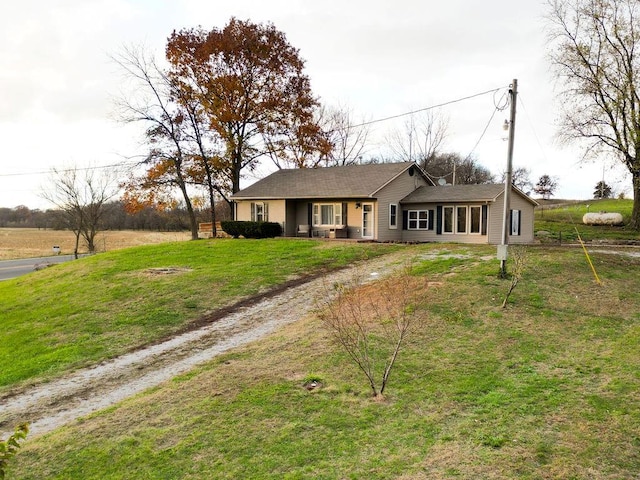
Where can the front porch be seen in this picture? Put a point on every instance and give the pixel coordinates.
(328, 218)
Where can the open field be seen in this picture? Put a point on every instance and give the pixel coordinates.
(562, 220)
(33, 242)
(544, 389)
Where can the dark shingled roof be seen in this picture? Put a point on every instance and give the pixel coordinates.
(350, 181)
(459, 193)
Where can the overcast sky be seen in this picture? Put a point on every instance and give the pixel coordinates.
(377, 57)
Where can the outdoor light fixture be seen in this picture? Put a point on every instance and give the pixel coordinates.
(358, 204)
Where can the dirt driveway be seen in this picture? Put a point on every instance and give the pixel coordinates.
(51, 405)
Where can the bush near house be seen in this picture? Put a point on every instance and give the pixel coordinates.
(251, 229)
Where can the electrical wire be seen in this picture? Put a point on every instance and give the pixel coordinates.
(533, 129)
(370, 122)
(78, 169)
(431, 107)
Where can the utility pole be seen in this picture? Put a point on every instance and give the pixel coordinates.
(503, 247)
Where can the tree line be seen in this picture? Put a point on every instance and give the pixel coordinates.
(115, 217)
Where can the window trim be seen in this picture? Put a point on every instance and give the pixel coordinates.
(444, 219)
(418, 221)
(453, 209)
(336, 214)
(264, 206)
(515, 218)
(479, 208)
(393, 216)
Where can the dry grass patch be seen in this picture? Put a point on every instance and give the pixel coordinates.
(32, 242)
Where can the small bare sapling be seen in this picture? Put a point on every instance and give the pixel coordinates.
(371, 321)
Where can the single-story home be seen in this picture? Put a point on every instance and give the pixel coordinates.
(384, 202)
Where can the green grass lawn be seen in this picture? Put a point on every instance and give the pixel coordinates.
(544, 389)
(81, 312)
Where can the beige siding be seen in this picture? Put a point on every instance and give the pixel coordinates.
(276, 210)
(393, 193)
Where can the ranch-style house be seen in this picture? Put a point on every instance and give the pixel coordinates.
(386, 202)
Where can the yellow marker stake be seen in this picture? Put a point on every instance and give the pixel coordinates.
(588, 258)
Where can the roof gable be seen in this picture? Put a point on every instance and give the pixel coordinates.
(351, 181)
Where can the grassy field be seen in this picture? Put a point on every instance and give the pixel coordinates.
(80, 312)
(544, 389)
(562, 221)
(33, 242)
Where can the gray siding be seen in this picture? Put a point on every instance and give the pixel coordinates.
(433, 236)
(393, 193)
(517, 202)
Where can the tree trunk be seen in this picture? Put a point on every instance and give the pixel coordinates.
(634, 224)
(75, 250)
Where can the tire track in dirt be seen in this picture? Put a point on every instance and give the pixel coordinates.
(50, 405)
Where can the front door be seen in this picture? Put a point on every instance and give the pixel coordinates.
(367, 220)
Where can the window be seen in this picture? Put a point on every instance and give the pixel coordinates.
(259, 212)
(475, 225)
(515, 222)
(327, 214)
(463, 219)
(418, 220)
(393, 215)
(447, 220)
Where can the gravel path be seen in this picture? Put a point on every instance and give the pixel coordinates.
(51, 405)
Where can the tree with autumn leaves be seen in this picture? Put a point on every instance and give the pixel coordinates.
(228, 98)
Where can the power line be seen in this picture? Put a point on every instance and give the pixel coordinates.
(431, 107)
(77, 169)
(370, 122)
(498, 108)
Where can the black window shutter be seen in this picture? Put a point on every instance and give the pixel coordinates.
(344, 214)
(484, 219)
(253, 211)
(405, 219)
(309, 213)
(432, 214)
(439, 219)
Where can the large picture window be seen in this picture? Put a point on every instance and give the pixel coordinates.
(463, 219)
(327, 214)
(418, 220)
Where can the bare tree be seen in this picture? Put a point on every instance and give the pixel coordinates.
(372, 328)
(153, 104)
(82, 194)
(519, 257)
(594, 50)
(347, 136)
(520, 178)
(458, 170)
(421, 138)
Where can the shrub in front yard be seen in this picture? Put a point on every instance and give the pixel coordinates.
(251, 229)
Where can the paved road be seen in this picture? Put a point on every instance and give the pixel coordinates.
(15, 268)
